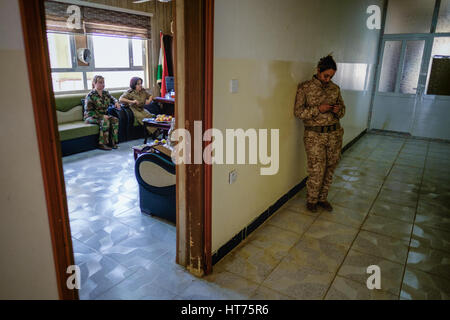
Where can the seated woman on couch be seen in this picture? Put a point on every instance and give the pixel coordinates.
(96, 106)
(137, 97)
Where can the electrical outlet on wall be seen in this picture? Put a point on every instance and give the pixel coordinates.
(232, 176)
(234, 86)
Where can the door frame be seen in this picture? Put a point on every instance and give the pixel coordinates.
(197, 199)
(425, 67)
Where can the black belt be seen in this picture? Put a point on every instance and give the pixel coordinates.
(324, 129)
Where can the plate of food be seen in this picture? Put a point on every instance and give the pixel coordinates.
(162, 118)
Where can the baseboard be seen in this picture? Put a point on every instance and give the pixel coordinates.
(353, 141)
(245, 232)
(405, 135)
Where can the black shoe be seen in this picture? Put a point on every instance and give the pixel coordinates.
(326, 205)
(311, 206)
(103, 147)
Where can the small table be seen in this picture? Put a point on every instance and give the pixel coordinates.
(149, 122)
(164, 100)
(168, 104)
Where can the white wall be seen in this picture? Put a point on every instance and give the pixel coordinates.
(270, 46)
(27, 269)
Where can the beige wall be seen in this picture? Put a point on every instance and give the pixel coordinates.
(27, 268)
(270, 46)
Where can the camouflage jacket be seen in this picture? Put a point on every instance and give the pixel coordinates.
(140, 96)
(96, 106)
(310, 95)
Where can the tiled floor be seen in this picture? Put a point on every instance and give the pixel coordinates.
(391, 198)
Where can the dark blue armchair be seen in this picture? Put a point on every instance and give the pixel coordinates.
(156, 177)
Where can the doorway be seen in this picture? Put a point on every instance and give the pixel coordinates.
(411, 94)
(194, 197)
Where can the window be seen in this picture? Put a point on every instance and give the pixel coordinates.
(60, 52)
(117, 59)
(389, 66)
(118, 42)
(411, 66)
(409, 16)
(351, 76)
(438, 77)
(443, 24)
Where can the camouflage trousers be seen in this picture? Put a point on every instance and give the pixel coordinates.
(107, 124)
(323, 151)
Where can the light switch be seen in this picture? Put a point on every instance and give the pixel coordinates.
(234, 85)
(232, 176)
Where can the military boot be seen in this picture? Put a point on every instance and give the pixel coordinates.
(326, 205)
(311, 206)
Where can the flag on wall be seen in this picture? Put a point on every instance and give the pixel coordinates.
(162, 72)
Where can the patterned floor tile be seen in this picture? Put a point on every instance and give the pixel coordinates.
(346, 289)
(135, 219)
(250, 262)
(299, 282)
(291, 220)
(332, 232)
(350, 217)
(389, 227)
(139, 250)
(355, 268)
(299, 205)
(140, 285)
(82, 253)
(429, 237)
(232, 285)
(381, 246)
(263, 293)
(99, 275)
(316, 254)
(274, 240)
(429, 260)
(354, 202)
(401, 186)
(108, 237)
(419, 285)
(408, 199)
(393, 211)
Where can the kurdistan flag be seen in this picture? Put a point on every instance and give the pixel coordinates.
(162, 67)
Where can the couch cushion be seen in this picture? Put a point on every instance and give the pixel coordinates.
(155, 175)
(72, 115)
(68, 101)
(76, 129)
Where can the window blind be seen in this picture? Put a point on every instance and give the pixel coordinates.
(98, 21)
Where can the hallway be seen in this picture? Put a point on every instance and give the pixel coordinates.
(391, 208)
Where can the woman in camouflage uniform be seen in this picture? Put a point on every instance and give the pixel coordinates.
(320, 105)
(95, 112)
(137, 97)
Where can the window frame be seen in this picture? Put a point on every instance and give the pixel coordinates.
(427, 60)
(91, 68)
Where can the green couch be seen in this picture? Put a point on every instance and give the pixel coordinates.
(76, 135)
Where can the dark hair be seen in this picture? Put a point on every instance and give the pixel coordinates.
(327, 63)
(134, 81)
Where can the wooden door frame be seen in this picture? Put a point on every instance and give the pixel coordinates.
(36, 51)
(198, 54)
(194, 87)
